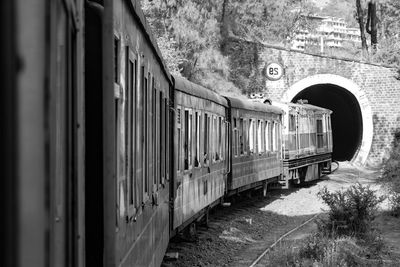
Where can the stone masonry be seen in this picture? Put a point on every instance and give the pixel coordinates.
(379, 84)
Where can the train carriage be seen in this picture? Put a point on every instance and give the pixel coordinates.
(43, 136)
(307, 141)
(201, 152)
(142, 88)
(127, 166)
(256, 144)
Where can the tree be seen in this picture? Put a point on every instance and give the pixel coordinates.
(360, 19)
(192, 29)
(372, 24)
(388, 49)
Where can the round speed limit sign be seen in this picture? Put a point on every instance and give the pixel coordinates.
(274, 71)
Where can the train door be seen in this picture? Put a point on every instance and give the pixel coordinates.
(64, 70)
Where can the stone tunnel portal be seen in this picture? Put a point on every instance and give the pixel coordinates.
(347, 126)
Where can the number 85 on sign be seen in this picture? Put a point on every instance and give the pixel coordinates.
(274, 71)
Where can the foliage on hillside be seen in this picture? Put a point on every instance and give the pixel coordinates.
(196, 37)
(215, 42)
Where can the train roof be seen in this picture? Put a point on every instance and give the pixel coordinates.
(148, 33)
(248, 104)
(304, 106)
(190, 88)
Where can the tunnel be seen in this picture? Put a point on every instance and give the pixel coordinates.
(347, 123)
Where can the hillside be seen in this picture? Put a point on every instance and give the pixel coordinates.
(215, 42)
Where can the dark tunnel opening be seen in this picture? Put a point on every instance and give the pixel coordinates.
(346, 117)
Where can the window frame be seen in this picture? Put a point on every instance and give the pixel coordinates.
(131, 132)
(179, 137)
(187, 151)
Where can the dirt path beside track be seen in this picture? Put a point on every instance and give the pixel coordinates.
(239, 233)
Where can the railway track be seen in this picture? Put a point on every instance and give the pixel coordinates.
(281, 238)
(233, 230)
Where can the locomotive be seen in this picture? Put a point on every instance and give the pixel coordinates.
(108, 155)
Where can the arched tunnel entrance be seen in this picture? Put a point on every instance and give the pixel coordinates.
(347, 123)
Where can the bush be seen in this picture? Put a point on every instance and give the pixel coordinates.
(391, 176)
(314, 247)
(319, 250)
(351, 211)
(394, 202)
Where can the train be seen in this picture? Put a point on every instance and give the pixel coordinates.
(107, 156)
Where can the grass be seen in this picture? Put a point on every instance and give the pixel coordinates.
(345, 236)
(319, 250)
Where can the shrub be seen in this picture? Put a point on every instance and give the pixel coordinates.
(319, 250)
(391, 176)
(394, 202)
(351, 211)
(314, 247)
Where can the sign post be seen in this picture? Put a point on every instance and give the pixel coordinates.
(274, 71)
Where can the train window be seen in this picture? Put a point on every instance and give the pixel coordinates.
(190, 138)
(235, 137)
(157, 138)
(187, 139)
(179, 146)
(245, 136)
(206, 139)
(292, 123)
(259, 137)
(277, 136)
(143, 131)
(241, 141)
(251, 136)
(219, 155)
(266, 133)
(197, 139)
(161, 137)
(139, 134)
(329, 130)
(116, 61)
(209, 138)
(194, 139)
(274, 136)
(320, 134)
(154, 132)
(145, 134)
(213, 139)
(149, 134)
(270, 129)
(222, 138)
(166, 140)
(264, 136)
(130, 118)
(217, 138)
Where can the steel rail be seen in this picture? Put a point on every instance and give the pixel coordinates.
(280, 238)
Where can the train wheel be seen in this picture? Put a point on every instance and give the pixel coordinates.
(265, 189)
(191, 232)
(206, 218)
